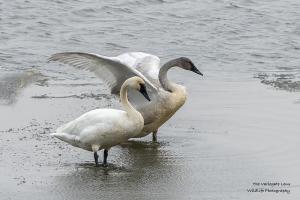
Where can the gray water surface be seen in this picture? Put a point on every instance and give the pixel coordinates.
(240, 124)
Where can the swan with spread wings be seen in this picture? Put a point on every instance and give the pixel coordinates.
(167, 97)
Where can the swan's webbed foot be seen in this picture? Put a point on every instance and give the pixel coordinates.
(96, 159)
(154, 136)
(105, 154)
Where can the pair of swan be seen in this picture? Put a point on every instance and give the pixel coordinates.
(166, 96)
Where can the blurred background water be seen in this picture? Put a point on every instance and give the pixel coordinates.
(232, 39)
(240, 124)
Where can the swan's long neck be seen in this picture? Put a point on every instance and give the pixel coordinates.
(163, 78)
(131, 111)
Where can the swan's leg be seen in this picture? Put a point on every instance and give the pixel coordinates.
(105, 154)
(154, 136)
(96, 158)
(95, 148)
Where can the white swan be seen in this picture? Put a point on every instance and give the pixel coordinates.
(104, 128)
(166, 97)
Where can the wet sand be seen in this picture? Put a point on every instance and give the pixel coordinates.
(227, 136)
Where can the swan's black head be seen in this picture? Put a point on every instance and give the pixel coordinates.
(144, 91)
(187, 64)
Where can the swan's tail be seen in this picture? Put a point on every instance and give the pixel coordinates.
(71, 139)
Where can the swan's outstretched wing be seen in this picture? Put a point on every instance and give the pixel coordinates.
(115, 70)
(147, 64)
(110, 69)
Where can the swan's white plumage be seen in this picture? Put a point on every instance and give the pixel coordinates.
(103, 128)
(147, 64)
(110, 69)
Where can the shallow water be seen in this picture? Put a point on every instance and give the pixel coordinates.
(240, 124)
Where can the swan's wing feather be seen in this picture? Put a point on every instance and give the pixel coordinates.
(147, 64)
(110, 69)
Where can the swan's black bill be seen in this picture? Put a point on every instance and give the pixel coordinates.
(194, 69)
(144, 92)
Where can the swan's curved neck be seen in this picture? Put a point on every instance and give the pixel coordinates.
(163, 78)
(124, 99)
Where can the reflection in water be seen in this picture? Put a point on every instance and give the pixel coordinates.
(136, 179)
(12, 84)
